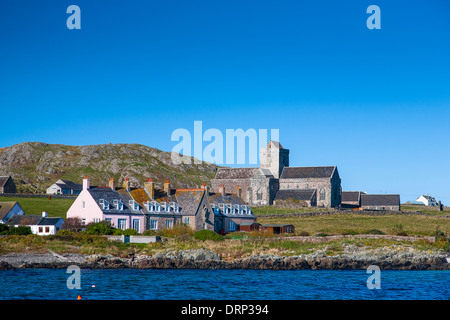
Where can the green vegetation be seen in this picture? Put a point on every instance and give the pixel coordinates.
(207, 235)
(10, 230)
(35, 206)
(348, 223)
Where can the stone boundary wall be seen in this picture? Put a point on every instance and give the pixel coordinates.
(364, 212)
(315, 239)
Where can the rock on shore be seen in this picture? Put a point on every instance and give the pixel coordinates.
(352, 258)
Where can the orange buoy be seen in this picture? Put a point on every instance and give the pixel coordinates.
(79, 297)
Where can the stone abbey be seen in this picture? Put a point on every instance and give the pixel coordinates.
(275, 182)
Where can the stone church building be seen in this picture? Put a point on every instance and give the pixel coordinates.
(275, 182)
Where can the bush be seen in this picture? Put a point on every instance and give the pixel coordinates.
(403, 234)
(4, 229)
(321, 234)
(20, 230)
(374, 231)
(179, 230)
(100, 228)
(303, 234)
(207, 235)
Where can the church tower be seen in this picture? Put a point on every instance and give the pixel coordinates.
(274, 157)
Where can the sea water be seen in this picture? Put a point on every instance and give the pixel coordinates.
(196, 284)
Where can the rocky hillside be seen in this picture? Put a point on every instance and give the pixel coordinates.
(36, 165)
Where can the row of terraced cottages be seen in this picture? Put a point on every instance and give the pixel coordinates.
(150, 208)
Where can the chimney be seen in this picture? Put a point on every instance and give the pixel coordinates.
(222, 189)
(126, 184)
(149, 186)
(167, 187)
(44, 214)
(86, 183)
(204, 186)
(238, 192)
(111, 184)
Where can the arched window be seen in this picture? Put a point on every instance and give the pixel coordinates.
(322, 194)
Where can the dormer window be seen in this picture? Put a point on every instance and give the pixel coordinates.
(134, 205)
(118, 204)
(104, 204)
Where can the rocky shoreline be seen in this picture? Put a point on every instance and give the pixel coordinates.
(386, 258)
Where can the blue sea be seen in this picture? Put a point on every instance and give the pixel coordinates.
(195, 284)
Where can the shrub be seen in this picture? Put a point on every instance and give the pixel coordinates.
(374, 231)
(130, 232)
(207, 235)
(178, 230)
(100, 228)
(20, 230)
(4, 229)
(321, 234)
(403, 234)
(303, 234)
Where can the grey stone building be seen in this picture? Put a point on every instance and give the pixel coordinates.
(320, 186)
(7, 185)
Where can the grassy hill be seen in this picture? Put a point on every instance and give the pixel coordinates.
(36, 165)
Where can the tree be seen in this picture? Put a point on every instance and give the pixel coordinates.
(100, 228)
(72, 224)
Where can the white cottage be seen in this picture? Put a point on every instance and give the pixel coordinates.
(427, 200)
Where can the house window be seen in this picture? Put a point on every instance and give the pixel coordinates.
(232, 225)
(84, 204)
(41, 229)
(47, 229)
(153, 224)
(169, 224)
(136, 224)
(186, 220)
(122, 224)
(109, 220)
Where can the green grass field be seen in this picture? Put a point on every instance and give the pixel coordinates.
(35, 206)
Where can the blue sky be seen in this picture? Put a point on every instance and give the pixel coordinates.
(376, 103)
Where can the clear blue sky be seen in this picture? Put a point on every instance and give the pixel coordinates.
(376, 103)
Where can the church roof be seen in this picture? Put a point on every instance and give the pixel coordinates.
(351, 196)
(307, 172)
(239, 173)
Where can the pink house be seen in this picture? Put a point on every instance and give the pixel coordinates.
(105, 203)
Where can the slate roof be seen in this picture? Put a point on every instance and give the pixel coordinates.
(297, 194)
(24, 220)
(240, 173)
(5, 208)
(231, 201)
(69, 185)
(380, 200)
(307, 172)
(189, 199)
(109, 195)
(33, 220)
(350, 196)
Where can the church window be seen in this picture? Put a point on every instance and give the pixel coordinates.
(259, 195)
(322, 194)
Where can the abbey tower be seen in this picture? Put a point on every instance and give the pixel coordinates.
(274, 157)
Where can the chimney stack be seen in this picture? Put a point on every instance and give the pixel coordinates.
(167, 187)
(222, 189)
(149, 186)
(86, 183)
(111, 184)
(204, 186)
(44, 214)
(126, 184)
(238, 192)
